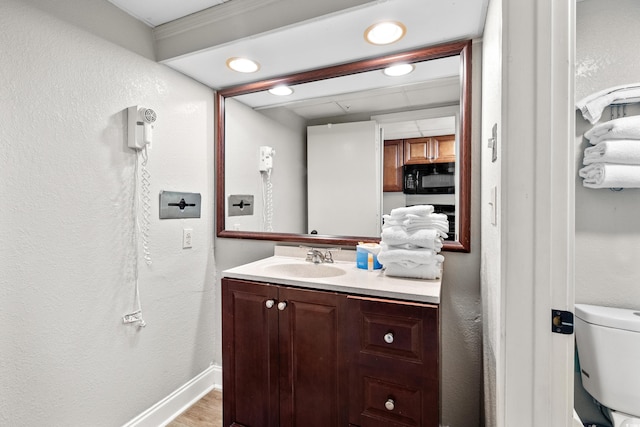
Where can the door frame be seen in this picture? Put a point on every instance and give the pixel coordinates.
(535, 377)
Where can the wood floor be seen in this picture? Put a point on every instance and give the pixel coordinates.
(206, 412)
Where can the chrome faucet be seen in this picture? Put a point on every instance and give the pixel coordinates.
(317, 257)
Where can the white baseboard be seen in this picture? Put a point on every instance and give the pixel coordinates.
(165, 411)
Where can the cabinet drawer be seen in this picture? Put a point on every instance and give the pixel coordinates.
(397, 331)
(398, 337)
(395, 401)
(392, 402)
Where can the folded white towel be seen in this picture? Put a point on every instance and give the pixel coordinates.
(414, 222)
(390, 254)
(424, 238)
(622, 128)
(610, 175)
(593, 105)
(624, 151)
(425, 271)
(420, 210)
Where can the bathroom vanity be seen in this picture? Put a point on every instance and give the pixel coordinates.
(328, 345)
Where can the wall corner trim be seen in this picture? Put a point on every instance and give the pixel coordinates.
(180, 400)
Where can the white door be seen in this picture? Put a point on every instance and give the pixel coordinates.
(344, 181)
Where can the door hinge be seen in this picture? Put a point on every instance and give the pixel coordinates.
(561, 322)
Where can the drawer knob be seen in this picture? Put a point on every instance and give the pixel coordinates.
(388, 337)
(390, 404)
(269, 303)
(282, 305)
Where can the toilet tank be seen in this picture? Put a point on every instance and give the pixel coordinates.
(608, 341)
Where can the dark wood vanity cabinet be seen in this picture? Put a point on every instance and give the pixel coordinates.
(284, 356)
(302, 357)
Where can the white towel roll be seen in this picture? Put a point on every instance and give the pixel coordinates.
(424, 238)
(421, 210)
(593, 105)
(414, 222)
(610, 175)
(622, 128)
(391, 254)
(623, 151)
(425, 271)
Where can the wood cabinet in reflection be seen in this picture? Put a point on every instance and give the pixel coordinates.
(433, 149)
(393, 161)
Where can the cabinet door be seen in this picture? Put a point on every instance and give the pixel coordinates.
(417, 151)
(436, 149)
(313, 362)
(249, 354)
(395, 351)
(393, 161)
(446, 148)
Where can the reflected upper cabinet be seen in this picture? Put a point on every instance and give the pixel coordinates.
(435, 149)
(393, 161)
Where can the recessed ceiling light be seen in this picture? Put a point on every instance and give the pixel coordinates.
(281, 90)
(385, 32)
(398, 70)
(243, 65)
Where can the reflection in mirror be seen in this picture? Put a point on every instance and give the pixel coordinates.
(323, 164)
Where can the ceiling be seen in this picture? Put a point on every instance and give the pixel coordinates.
(313, 43)
(325, 40)
(158, 12)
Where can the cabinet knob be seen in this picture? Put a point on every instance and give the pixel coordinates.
(388, 338)
(282, 305)
(269, 303)
(390, 404)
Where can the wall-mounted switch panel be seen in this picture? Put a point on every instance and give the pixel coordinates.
(187, 238)
(174, 204)
(240, 204)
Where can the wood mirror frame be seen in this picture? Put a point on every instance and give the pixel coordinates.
(463, 211)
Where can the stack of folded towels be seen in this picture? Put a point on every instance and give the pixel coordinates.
(613, 160)
(411, 240)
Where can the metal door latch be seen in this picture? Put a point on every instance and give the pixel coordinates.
(561, 322)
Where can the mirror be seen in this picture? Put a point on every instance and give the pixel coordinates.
(246, 116)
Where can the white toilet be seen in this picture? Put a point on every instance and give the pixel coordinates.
(608, 341)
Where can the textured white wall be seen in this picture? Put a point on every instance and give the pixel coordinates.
(245, 131)
(66, 259)
(491, 233)
(607, 226)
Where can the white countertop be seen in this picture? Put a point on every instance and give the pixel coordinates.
(351, 280)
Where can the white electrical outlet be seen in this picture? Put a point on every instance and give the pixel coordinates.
(187, 235)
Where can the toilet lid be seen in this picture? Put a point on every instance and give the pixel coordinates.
(619, 318)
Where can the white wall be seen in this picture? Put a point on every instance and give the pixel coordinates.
(607, 226)
(66, 225)
(490, 191)
(246, 130)
(460, 299)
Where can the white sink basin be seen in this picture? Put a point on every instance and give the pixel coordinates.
(305, 270)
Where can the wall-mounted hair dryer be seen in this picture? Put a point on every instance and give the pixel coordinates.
(140, 125)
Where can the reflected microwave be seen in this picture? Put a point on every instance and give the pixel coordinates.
(432, 178)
